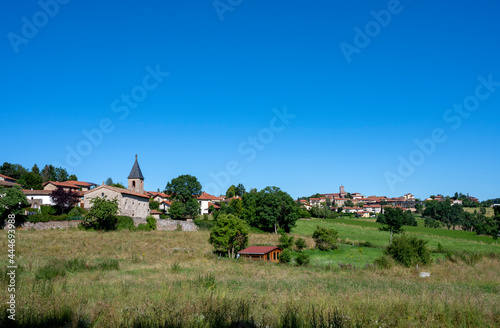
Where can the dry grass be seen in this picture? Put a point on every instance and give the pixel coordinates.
(173, 276)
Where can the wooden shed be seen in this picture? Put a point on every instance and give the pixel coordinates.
(266, 253)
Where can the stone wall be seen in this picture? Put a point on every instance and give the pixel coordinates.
(49, 225)
(170, 225)
(161, 225)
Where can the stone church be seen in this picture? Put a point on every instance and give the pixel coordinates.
(133, 201)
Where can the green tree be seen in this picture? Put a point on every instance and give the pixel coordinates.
(102, 214)
(183, 189)
(14, 171)
(349, 203)
(176, 211)
(392, 220)
(274, 209)
(72, 177)
(235, 207)
(49, 173)
(229, 235)
(12, 201)
(325, 239)
(61, 174)
(419, 207)
(154, 205)
(31, 180)
(240, 190)
(231, 191)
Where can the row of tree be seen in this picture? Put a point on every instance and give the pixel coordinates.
(439, 213)
(35, 178)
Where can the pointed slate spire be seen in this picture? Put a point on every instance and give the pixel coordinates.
(136, 173)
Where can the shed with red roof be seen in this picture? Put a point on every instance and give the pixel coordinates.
(265, 253)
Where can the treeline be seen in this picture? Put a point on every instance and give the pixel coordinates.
(442, 213)
(270, 209)
(35, 178)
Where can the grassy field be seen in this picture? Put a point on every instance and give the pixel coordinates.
(171, 279)
(489, 210)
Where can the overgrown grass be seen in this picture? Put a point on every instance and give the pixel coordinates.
(175, 281)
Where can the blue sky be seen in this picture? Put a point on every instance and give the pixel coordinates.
(275, 72)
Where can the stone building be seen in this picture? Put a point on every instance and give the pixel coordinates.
(133, 201)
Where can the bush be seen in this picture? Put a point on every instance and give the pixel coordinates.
(124, 222)
(286, 256)
(431, 223)
(47, 210)
(76, 213)
(384, 262)
(409, 250)
(46, 218)
(203, 224)
(151, 222)
(300, 244)
(285, 241)
(302, 259)
(325, 239)
(102, 214)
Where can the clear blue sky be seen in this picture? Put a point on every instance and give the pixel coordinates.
(355, 116)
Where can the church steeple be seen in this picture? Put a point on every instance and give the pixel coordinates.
(135, 178)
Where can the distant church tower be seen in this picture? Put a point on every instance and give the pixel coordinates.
(342, 192)
(136, 179)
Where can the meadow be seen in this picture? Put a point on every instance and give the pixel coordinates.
(77, 278)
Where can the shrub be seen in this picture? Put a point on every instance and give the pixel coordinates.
(151, 222)
(325, 239)
(204, 225)
(102, 214)
(47, 210)
(409, 250)
(302, 259)
(124, 222)
(300, 244)
(384, 262)
(285, 241)
(285, 256)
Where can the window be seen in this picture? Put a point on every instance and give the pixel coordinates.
(102, 194)
(133, 184)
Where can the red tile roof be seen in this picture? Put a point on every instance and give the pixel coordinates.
(6, 177)
(155, 212)
(70, 184)
(214, 205)
(37, 192)
(8, 184)
(258, 249)
(118, 190)
(207, 196)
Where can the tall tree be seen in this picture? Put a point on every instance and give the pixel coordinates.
(49, 173)
(14, 171)
(392, 220)
(183, 189)
(31, 180)
(229, 235)
(231, 191)
(61, 174)
(72, 177)
(274, 209)
(240, 190)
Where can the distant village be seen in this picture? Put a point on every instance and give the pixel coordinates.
(134, 200)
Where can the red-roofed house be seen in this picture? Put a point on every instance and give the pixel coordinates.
(7, 182)
(68, 185)
(373, 208)
(266, 253)
(205, 199)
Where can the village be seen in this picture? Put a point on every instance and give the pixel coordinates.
(134, 201)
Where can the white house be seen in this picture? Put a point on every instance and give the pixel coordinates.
(41, 197)
(205, 200)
